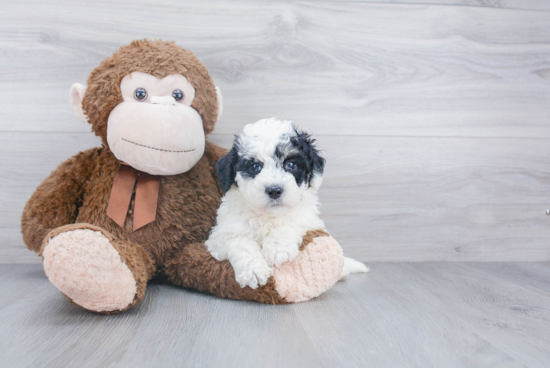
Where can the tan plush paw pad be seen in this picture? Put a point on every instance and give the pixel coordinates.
(315, 270)
(83, 265)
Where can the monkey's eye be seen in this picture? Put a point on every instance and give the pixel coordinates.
(256, 167)
(140, 94)
(178, 95)
(290, 165)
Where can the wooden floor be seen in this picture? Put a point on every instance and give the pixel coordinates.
(398, 315)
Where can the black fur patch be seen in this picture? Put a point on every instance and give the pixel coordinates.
(308, 159)
(300, 171)
(246, 167)
(228, 166)
(226, 169)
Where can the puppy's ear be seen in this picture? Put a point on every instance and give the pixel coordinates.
(315, 163)
(226, 169)
(318, 164)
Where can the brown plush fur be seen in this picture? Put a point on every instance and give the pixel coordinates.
(195, 268)
(77, 193)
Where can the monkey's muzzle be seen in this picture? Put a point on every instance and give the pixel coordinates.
(162, 137)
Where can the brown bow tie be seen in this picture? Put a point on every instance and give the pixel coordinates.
(147, 191)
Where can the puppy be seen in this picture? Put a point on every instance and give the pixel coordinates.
(270, 179)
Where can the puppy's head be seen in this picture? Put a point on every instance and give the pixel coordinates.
(272, 164)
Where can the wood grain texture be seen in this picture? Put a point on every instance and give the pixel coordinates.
(434, 118)
(398, 315)
(503, 4)
(383, 198)
(336, 68)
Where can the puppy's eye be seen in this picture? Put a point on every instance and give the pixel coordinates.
(256, 167)
(290, 165)
(178, 95)
(140, 94)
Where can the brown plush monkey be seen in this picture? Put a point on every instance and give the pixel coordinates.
(109, 219)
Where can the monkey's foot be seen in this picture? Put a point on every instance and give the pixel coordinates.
(315, 270)
(84, 266)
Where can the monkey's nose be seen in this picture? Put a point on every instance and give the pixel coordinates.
(163, 100)
(274, 192)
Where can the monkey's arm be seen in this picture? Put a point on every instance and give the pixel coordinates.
(57, 200)
(314, 271)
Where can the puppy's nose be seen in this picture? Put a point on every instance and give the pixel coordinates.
(274, 192)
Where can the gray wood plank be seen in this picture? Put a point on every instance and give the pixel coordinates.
(406, 315)
(395, 327)
(171, 327)
(338, 68)
(510, 317)
(533, 276)
(504, 4)
(209, 321)
(12, 248)
(18, 280)
(383, 198)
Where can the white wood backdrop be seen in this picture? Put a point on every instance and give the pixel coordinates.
(434, 118)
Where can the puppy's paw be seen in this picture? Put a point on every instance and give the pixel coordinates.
(276, 254)
(253, 273)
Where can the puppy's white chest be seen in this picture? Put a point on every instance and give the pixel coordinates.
(261, 229)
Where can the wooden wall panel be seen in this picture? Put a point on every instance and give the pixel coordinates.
(434, 118)
(383, 198)
(337, 68)
(502, 4)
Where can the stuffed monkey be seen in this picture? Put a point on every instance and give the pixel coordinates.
(110, 218)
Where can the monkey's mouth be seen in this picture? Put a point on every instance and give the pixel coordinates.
(157, 149)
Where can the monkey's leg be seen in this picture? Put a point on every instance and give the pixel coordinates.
(315, 270)
(94, 270)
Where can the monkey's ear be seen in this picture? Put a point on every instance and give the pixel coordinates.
(220, 102)
(226, 169)
(76, 96)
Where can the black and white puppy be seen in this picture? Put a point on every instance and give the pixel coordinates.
(270, 179)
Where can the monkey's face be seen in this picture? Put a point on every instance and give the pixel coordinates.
(155, 129)
(152, 103)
